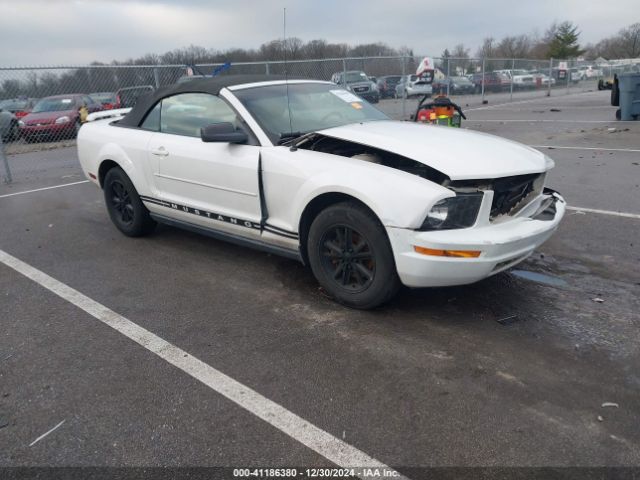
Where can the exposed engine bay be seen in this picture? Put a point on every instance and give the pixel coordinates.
(510, 194)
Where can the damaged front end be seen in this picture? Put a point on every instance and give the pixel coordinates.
(476, 202)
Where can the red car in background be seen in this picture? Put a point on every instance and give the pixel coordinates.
(107, 99)
(56, 117)
(493, 82)
(20, 107)
(128, 96)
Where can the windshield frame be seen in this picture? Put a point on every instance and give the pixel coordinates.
(234, 93)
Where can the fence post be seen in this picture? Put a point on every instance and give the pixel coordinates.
(550, 77)
(513, 67)
(448, 76)
(266, 68)
(568, 76)
(5, 161)
(482, 81)
(156, 77)
(404, 96)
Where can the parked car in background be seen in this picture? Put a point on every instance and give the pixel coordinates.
(412, 85)
(9, 130)
(493, 82)
(576, 75)
(387, 85)
(18, 106)
(541, 79)
(128, 96)
(457, 86)
(56, 117)
(357, 82)
(521, 79)
(591, 72)
(106, 99)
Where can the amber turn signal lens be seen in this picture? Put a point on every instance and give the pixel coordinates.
(448, 253)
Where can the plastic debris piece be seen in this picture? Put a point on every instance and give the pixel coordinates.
(600, 419)
(508, 320)
(610, 404)
(598, 300)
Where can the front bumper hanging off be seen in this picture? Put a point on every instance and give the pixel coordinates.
(500, 246)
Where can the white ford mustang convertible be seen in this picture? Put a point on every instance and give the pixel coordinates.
(308, 170)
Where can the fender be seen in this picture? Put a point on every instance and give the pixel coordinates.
(293, 179)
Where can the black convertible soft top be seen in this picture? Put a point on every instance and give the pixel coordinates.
(211, 85)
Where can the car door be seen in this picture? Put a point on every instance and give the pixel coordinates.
(214, 185)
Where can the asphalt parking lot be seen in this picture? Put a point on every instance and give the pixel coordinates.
(509, 372)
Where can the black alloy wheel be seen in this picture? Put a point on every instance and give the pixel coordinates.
(347, 258)
(125, 208)
(351, 257)
(121, 202)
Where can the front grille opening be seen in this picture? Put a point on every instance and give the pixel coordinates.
(510, 194)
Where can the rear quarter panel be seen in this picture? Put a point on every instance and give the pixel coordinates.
(100, 141)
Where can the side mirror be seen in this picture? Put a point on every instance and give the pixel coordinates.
(223, 132)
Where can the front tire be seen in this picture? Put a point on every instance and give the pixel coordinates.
(351, 257)
(125, 208)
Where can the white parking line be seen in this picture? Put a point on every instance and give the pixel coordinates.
(323, 443)
(556, 147)
(46, 433)
(605, 212)
(41, 189)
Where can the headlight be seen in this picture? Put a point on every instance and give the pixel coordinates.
(64, 119)
(460, 211)
(20, 123)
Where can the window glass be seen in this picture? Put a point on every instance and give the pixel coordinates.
(54, 104)
(187, 113)
(152, 120)
(304, 107)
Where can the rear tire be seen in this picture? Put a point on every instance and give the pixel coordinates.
(351, 257)
(125, 208)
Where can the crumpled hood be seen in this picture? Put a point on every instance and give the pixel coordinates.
(459, 154)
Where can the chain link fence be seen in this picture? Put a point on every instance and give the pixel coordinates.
(42, 108)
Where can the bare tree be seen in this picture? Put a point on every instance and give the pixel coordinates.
(625, 44)
(487, 49)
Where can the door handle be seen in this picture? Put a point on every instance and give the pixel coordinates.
(160, 152)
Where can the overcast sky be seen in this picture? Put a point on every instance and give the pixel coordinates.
(50, 32)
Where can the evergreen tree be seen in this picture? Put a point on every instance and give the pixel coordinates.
(565, 42)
